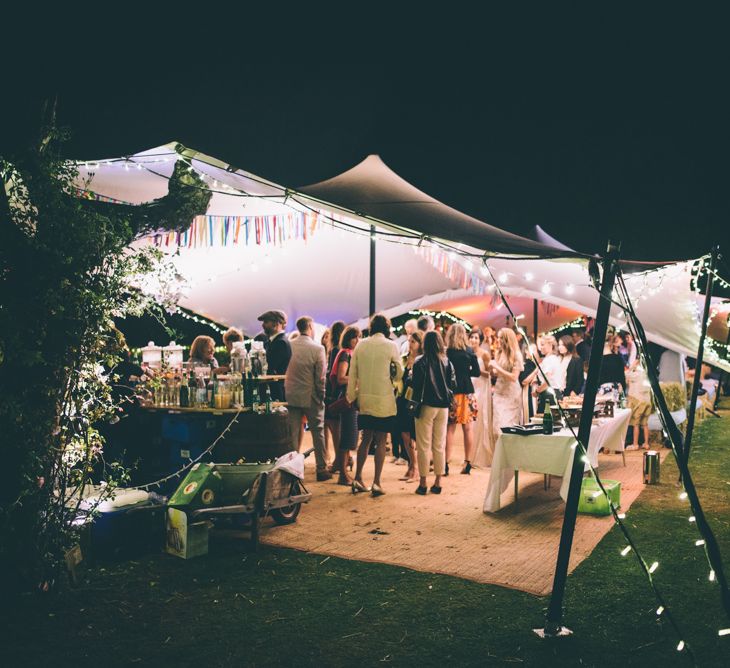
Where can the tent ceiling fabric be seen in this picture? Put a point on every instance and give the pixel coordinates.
(326, 276)
(371, 188)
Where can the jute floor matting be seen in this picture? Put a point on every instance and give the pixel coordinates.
(449, 534)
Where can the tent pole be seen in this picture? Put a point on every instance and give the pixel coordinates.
(722, 373)
(700, 355)
(372, 270)
(553, 621)
(534, 320)
(712, 548)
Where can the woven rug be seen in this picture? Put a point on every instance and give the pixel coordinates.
(448, 533)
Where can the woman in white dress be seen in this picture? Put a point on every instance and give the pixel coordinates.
(483, 431)
(507, 392)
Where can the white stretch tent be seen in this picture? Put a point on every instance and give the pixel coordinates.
(312, 255)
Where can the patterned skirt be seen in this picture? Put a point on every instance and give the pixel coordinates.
(463, 409)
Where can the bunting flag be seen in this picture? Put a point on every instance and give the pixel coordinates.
(452, 269)
(549, 308)
(221, 231)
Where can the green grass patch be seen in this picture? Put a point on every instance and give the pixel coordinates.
(282, 607)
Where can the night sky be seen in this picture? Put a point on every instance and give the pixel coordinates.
(592, 125)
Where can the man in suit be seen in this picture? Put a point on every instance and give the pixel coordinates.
(278, 350)
(305, 379)
(582, 347)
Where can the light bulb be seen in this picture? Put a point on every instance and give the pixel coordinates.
(683, 495)
(660, 610)
(712, 576)
(626, 550)
(569, 289)
(699, 543)
(680, 646)
(653, 567)
(529, 276)
(503, 277)
(692, 518)
(546, 289)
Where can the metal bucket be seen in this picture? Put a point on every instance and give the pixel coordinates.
(651, 467)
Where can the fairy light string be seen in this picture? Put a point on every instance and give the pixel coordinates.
(409, 238)
(579, 448)
(709, 544)
(191, 462)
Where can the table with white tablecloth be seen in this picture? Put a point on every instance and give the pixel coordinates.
(550, 454)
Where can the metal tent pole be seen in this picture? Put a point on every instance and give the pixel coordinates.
(712, 548)
(700, 354)
(372, 270)
(534, 319)
(554, 617)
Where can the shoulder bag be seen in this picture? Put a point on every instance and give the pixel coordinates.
(413, 406)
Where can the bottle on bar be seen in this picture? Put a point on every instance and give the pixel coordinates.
(184, 393)
(201, 392)
(255, 399)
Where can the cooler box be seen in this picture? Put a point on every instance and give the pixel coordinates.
(593, 501)
(127, 526)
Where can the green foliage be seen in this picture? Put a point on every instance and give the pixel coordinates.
(66, 269)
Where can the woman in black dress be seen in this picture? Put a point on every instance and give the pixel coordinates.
(406, 422)
(574, 372)
(347, 428)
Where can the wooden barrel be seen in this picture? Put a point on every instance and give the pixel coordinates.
(255, 438)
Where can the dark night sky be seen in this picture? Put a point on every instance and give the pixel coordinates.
(588, 124)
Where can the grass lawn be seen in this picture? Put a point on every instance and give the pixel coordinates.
(282, 607)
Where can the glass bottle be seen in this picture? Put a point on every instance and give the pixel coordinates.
(547, 420)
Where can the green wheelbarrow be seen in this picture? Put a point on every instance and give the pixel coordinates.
(244, 493)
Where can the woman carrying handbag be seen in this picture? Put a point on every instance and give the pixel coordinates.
(433, 389)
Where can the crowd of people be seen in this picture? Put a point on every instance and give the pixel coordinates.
(355, 395)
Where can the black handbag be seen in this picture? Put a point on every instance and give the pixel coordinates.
(413, 407)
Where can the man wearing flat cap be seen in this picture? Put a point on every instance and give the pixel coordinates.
(278, 350)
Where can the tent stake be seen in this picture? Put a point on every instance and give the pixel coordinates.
(554, 618)
(700, 355)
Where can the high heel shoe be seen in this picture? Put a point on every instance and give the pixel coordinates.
(377, 490)
(466, 470)
(358, 487)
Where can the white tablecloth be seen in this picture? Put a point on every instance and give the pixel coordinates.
(541, 453)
